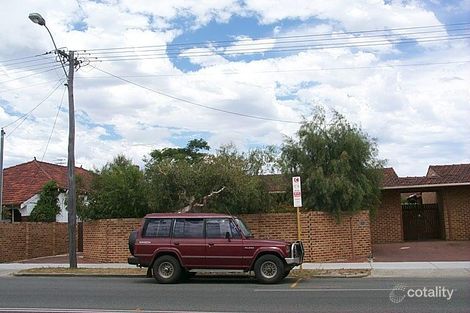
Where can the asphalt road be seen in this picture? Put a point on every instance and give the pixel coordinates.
(92, 294)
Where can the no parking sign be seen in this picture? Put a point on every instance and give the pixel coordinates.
(297, 191)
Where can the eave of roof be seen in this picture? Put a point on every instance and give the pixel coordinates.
(424, 186)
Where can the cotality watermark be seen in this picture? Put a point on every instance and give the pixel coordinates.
(401, 291)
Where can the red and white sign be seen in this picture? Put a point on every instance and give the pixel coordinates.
(297, 191)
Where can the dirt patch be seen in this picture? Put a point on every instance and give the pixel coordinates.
(63, 271)
(340, 273)
(59, 271)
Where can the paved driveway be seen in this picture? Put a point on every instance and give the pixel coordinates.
(418, 251)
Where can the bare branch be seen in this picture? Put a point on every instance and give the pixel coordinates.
(202, 204)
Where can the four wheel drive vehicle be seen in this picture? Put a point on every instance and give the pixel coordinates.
(172, 245)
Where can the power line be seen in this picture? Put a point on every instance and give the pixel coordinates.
(24, 58)
(35, 68)
(25, 116)
(40, 58)
(268, 41)
(282, 37)
(195, 103)
(53, 125)
(30, 85)
(33, 74)
(288, 71)
(272, 51)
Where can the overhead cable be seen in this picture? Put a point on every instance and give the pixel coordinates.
(195, 103)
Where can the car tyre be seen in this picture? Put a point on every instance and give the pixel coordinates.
(132, 239)
(167, 270)
(269, 269)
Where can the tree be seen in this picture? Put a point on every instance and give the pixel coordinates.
(191, 153)
(46, 208)
(117, 191)
(190, 180)
(338, 164)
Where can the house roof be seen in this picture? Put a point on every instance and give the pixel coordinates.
(22, 181)
(437, 175)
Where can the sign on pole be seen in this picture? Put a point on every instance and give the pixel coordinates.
(297, 191)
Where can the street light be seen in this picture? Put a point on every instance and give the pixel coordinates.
(38, 19)
(71, 200)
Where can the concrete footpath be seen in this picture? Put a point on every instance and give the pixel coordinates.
(378, 269)
(402, 269)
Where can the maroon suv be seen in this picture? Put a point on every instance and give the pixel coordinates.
(172, 245)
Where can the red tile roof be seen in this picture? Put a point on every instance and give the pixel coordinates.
(454, 174)
(22, 181)
(390, 178)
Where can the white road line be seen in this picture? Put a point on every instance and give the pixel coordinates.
(320, 290)
(54, 310)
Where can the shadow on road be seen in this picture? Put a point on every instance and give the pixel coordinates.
(219, 279)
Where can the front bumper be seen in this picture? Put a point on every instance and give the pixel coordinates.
(296, 254)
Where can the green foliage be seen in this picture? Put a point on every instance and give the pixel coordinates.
(191, 153)
(46, 208)
(337, 162)
(263, 160)
(175, 182)
(117, 191)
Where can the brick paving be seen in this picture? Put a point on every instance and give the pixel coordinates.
(422, 251)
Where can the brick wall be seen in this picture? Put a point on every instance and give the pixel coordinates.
(106, 241)
(456, 204)
(386, 224)
(325, 240)
(19, 241)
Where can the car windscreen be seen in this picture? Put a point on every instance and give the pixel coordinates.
(245, 230)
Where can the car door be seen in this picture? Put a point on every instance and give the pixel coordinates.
(188, 239)
(155, 236)
(224, 244)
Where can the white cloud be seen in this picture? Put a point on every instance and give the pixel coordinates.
(419, 114)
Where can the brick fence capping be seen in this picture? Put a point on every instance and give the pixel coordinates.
(26, 240)
(325, 240)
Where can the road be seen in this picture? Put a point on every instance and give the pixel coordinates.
(93, 294)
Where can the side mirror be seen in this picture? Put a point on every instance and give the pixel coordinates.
(227, 236)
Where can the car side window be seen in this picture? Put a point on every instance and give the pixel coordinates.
(189, 228)
(157, 227)
(217, 228)
(235, 232)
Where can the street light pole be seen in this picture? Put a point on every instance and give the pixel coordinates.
(71, 195)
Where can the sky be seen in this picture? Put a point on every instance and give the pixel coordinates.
(157, 74)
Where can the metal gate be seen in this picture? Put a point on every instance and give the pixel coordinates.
(421, 221)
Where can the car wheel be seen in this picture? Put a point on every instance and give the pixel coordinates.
(166, 270)
(269, 269)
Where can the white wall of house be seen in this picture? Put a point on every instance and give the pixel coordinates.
(27, 207)
(62, 217)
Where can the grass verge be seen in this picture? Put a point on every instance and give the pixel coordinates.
(63, 271)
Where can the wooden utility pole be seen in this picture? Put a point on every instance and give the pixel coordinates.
(1, 173)
(71, 197)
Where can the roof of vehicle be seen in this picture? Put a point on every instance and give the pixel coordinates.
(185, 215)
